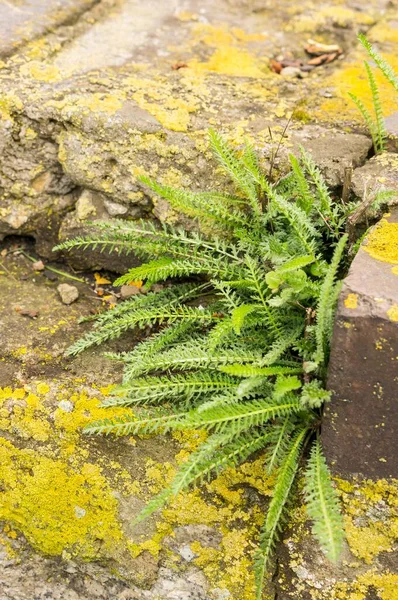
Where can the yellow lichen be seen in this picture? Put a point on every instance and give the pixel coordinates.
(392, 313)
(351, 301)
(9, 103)
(30, 133)
(385, 584)
(367, 533)
(352, 79)
(225, 508)
(382, 242)
(52, 493)
(185, 15)
(56, 507)
(41, 71)
(231, 61)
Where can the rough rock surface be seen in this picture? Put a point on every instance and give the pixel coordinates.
(368, 566)
(81, 116)
(68, 293)
(379, 174)
(24, 21)
(93, 94)
(334, 151)
(72, 498)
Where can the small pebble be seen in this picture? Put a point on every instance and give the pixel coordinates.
(38, 265)
(186, 553)
(129, 290)
(79, 512)
(291, 72)
(50, 275)
(68, 293)
(66, 406)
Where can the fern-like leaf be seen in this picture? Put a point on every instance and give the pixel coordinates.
(239, 315)
(370, 122)
(277, 508)
(253, 371)
(383, 65)
(305, 196)
(323, 504)
(241, 417)
(326, 304)
(157, 389)
(381, 132)
(236, 169)
(217, 453)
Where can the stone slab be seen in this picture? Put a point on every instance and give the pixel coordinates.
(23, 20)
(379, 174)
(118, 88)
(333, 151)
(360, 426)
(68, 501)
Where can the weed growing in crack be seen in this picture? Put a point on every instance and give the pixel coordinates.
(241, 350)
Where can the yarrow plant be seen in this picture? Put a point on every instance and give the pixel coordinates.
(375, 123)
(242, 337)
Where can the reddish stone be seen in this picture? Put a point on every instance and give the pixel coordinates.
(360, 426)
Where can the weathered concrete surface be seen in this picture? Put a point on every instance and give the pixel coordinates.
(72, 499)
(24, 20)
(130, 88)
(360, 425)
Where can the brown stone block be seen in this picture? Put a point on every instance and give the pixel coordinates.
(360, 427)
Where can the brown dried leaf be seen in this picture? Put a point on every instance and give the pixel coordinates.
(319, 60)
(179, 65)
(317, 48)
(331, 57)
(275, 66)
(32, 314)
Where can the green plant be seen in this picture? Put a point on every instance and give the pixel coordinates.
(241, 350)
(375, 124)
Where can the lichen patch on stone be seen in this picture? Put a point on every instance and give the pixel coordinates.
(392, 313)
(382, 242)
(351, 301)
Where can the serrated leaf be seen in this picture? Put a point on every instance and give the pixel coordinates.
(323, 504)
(284, 385)
(252, 371)
(299, 262)
(239, 314)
